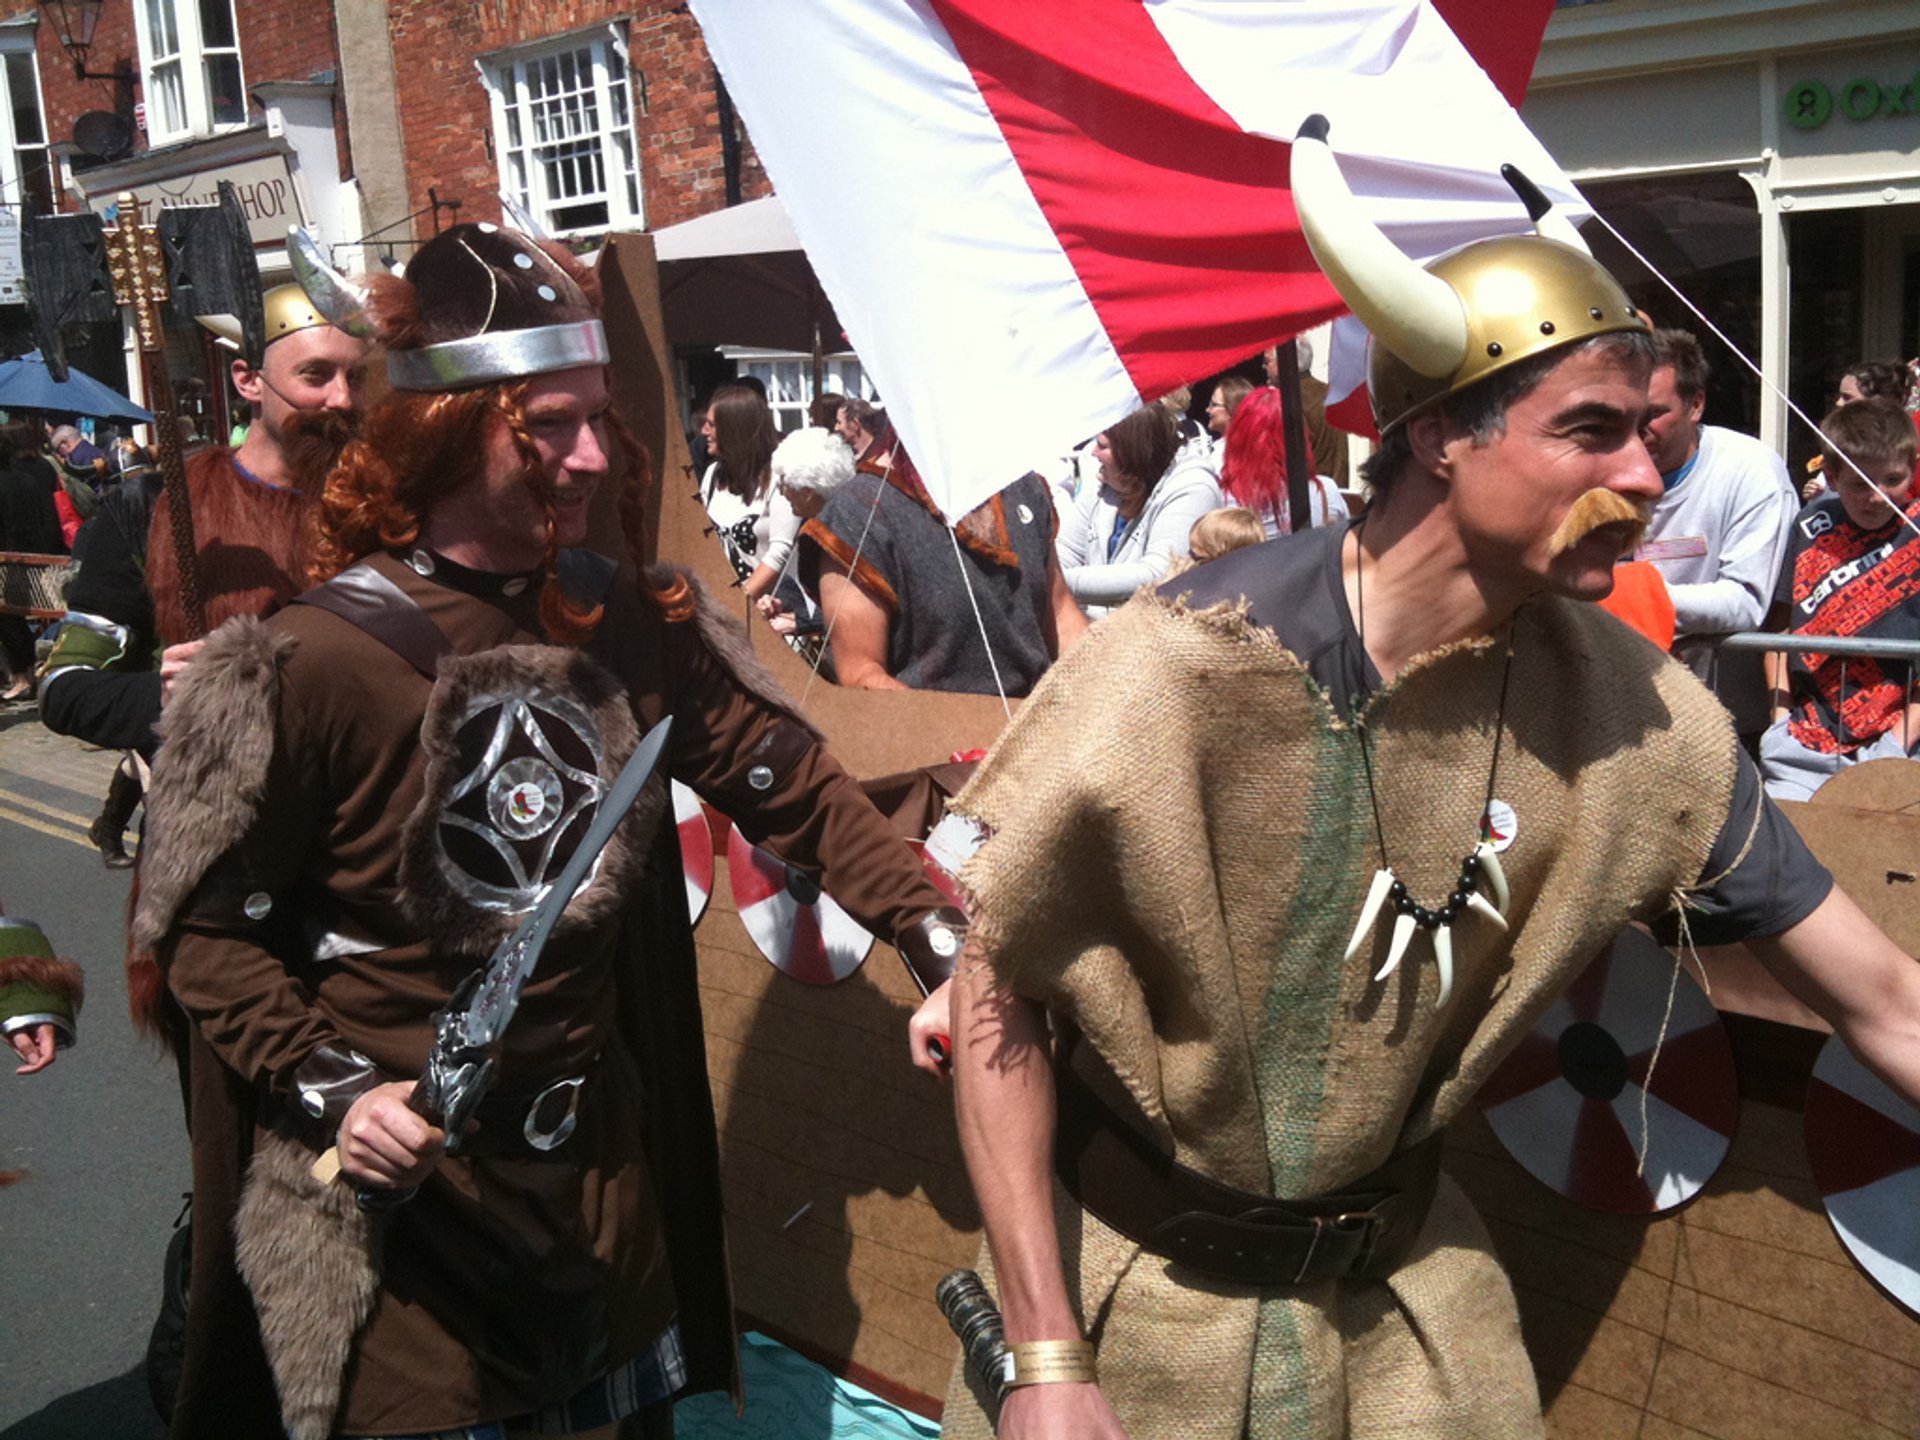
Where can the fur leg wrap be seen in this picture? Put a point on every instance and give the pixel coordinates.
(308, 1254)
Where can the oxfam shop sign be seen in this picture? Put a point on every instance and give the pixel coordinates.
(1811, 103)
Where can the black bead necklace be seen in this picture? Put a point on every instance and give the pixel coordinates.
(1479, 866)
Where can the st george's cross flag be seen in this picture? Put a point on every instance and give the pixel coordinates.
(1033, 215)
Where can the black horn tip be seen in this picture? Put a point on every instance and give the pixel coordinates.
(1314, 127)
(1530, 194)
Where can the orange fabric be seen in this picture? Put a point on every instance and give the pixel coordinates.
(1640, 601)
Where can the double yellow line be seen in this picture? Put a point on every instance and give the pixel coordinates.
(48, 819)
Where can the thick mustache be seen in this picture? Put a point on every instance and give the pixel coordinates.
(1595, 509)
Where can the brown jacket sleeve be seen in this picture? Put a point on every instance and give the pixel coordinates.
(223, 957)
(739, 742)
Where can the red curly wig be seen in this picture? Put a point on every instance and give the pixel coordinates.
(416, 448)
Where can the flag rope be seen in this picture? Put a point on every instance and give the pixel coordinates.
(826, 635)
(1741, 356)
(980, 620)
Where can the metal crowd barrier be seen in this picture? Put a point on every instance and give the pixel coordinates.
(1907, 650)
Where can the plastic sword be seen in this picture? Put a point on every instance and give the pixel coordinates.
(469, 1029)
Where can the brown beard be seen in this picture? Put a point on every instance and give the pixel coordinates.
(1595, 509)
(311, 440)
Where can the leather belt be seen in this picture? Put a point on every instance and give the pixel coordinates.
(527, 1124)
(1110, 1160)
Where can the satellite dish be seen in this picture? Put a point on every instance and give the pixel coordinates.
(103, 134)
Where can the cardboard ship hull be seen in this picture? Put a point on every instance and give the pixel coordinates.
(1738, 1315)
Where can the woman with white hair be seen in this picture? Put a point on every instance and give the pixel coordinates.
(807, 467)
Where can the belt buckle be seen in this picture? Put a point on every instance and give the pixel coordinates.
(544, 1139)
(1346, 1222)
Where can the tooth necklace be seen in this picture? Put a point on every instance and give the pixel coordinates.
(1479, 870)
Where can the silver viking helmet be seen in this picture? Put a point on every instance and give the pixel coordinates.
(1475, 310)
(493, 306)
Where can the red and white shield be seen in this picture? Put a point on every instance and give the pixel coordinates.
(947, 848)
(791, 919)
(1863, 1142)
(1568, 1103)
(696, 848)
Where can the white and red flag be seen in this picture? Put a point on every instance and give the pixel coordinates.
(1031, 215)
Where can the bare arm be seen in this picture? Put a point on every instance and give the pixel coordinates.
(1004, 1101)
(760, 581)
(857, 624)
(1779, 692)
(1839, 963)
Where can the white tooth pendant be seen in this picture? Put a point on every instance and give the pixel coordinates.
(1443, 956)
(1496, 878)
(1370, 912)
(1480, 905)
(1403, 927)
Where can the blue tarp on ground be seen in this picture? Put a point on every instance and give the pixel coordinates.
(791, 1398)
(25, 384)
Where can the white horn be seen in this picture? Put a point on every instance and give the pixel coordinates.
(1443, 957)
(1416, 316)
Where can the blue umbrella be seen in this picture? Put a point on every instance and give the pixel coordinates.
(26, 385)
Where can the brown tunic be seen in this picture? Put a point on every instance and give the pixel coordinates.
(250, 538)
(511, 1279)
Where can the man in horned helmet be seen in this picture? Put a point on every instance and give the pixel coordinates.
(125, 638)
(359, 800)
(1444, 783)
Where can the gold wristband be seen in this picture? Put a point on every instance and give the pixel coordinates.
(1050, 1362)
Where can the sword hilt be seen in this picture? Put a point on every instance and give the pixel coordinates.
(973, 1316)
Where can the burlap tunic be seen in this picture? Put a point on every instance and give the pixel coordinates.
(1182, 845)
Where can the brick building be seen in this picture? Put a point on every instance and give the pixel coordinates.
(178, 95)
(592, 115)
(373, 122)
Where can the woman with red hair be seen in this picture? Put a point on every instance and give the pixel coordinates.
(1254, 473)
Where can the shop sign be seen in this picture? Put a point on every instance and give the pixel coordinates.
(1810, 104)
(265, 187)
(13, 285)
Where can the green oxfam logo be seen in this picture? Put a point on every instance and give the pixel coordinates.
(1810, 103)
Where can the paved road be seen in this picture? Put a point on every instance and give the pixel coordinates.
(99, 1134)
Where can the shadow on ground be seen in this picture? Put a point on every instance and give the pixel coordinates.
(118, 1408)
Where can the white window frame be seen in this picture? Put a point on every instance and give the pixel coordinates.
(173, 82)
(514, 80)
(12, 145)
(788, 376)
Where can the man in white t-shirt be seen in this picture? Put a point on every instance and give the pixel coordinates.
(1719, 529)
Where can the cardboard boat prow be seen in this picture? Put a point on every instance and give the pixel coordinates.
(847, 1199)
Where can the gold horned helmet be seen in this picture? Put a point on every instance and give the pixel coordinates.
(288, 310)
(1474, 311)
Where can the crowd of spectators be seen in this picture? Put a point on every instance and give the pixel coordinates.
(834, 537)
(874, 585)
(51, 484)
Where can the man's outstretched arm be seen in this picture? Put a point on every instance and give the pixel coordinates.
(1004, 1099)
(1840, 963)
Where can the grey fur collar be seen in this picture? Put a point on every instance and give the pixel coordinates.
(211, 772)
